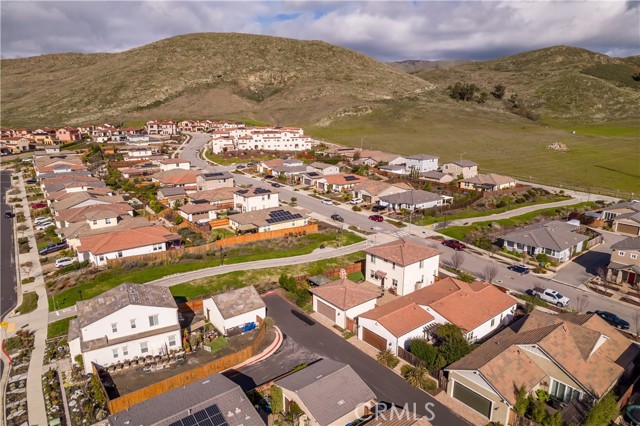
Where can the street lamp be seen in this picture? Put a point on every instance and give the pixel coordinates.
(221, 256)
(80, 293)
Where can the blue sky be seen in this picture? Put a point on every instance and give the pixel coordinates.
(386, 30)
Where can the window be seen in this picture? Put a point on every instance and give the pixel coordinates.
(95, 222)
(115, 353)
(421, 265)
(395, 283)
(373, 274)
(133, 323)
(621, 253)
(172, 340)
(114, 327)
(393, 266)
(493, 321)
(108, 221)
(633, 255)
(119, 254)
(144, 347)
(562, 392)
(373, 259)
(125, 350)
(153, 320)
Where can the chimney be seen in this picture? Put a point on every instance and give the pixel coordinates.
(343, 274)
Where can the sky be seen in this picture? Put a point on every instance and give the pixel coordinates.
(385, 30)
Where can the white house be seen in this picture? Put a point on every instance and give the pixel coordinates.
(168, 128)
(198, 213)
(323, 168)
(131, 320)
(255, 198)
(466, 168)
(420, 162)
(174, 163)
(488, 182)
(478, 309)
(126, 243)
(342, 299)
(402, 266)
(416, 199)
(371, 190)
(231, 311)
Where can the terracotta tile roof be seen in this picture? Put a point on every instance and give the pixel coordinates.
(126, 239)
(405, 319)
(345, 294)
(218, 194)
(173, 161)
(377, 187)
(344, 179)
(403, 252)
(177, 177)
(277, 162)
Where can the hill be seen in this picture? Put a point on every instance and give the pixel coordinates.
(198, 75)
(559, 82)
(414, 65)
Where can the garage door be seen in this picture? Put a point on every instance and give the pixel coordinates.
(627, 229)
(471, 399)
(326, 310)
(374, 339)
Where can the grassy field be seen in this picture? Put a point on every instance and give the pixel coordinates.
(29, 303)
(58, 328)
(226, 161)
(261, 278)
(111, 278)
(459, 232)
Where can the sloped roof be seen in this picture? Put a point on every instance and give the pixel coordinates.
(255, 191)
(416, 196)
(237, 302)
(344, 293)
(173, 191)
(344, 179)
(218, 194)
(176, 177)
(490, 179)
(321, 166)
(126, 239)
(197, 208)
(75, 198)
(554, 235)
(422, 157)
(80, 214)
(403, 252)
(377, 187)
(401, 321)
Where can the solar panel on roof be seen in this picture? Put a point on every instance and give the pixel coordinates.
(350, 178)
(210, 416)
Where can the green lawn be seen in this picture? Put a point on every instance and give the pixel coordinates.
(459, 232)
(356, 276)
(29, 303)
(59, 328)
(225, 161)
(261, 278)
(270, 249)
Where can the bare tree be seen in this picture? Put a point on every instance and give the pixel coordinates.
(490, 272)
(636, 320)
(457, 259)
(601, 271)
(582, 302)
(26, 268)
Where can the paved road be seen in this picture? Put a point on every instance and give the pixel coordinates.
(7, 251)
(317, 340)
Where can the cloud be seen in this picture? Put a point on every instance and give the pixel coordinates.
(387, 30)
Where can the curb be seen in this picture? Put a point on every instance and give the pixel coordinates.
(264, 354)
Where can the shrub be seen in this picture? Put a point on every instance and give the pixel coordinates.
(356, 208)
(277, 404)
(78, 359)
(522, 401)
(192, 256)
(424, 350)
(603, 412)
(405, 369)
(269, 322)
(454, 345)
(387, 358)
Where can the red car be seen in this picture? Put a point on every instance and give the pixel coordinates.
(39, 206)
(456, 245)
(376, 218)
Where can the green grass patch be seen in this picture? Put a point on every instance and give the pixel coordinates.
(356, 276)
(218, 344)
(459, 232)
(397, 223)
(222, 233)
(270, 249)
(226, 161)
(619, 74)
(59, 328)
(29, 303)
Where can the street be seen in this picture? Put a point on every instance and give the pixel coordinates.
(8, 291)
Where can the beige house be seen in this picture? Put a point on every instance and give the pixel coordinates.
(271, 219)
(343, 300)
(488, 182)
(625, 262)
(466, 168)
(371, 190)
(574, 357)
(627, 224)
(214, 180)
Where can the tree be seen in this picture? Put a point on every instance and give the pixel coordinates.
(454, 345)
(554, 419)
(387, 358)
(457, 259)
(490, 272)
(539, 411)
(522, 401)
(294, 200)
(424, 350)
(636, 320)
(463, 91)
(603, 412)
(416, 377)
(636, 76)
(276, 399)
(582, 302)
(499, 91)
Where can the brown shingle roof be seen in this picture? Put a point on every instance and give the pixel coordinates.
(126, 239)
(80, 214)
(344, 293)
(403, 252)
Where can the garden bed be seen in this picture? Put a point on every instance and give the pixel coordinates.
(53, 397)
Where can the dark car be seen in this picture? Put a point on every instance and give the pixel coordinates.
(52, 248)
(337, 218)
(9, 214)
(521, 269)
(240, 166)
(378, 208)
(276, 185)
(376, 218)
(454, 244)
(612, 319)
(31, 181)
(39, 206)
(269, 177)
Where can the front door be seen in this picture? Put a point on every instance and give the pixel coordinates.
(631, 279)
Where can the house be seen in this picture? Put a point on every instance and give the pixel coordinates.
(255, 198)
(323, 168)
(68, 134)
(74, 200)
(177, 177)
(213, 400)
(125, 243)
(488, 182)
(213, 180)
(370, 191)
(402, 266)
(66, 217)
(558, 240)
(235, 310)
(198, 213)
(168, 128)
(330, 393)
(418, 314)
(466, 168)
(310, 179)
(172, 196)
(625, 262)
(570, 356)
(16, 144)
(100, 221)
(371, 158)
(130, 320)
(627, 224)
(222, 198)
(416, 199)
(620, 209)
(272, 219)
(343, 300)
(339, 183)
(174, 163)
(439, 177)
(396, 169)
(420, 163)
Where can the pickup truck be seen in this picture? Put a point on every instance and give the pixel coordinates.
(550, 296)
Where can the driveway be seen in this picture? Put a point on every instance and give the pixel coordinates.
(316, 340)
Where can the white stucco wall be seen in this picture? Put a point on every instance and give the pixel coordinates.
(341, 315)
(260, 202)
(102, 259)
(212, 312)
(407, 276)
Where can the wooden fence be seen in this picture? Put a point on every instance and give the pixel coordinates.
(217, 223)
(125, 402)
(436, 373)
(191, 306)
(210, 247)
(335, 272)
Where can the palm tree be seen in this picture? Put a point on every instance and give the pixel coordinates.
(386, 357)
(416, 377)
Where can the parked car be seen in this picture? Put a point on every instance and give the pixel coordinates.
(41, 219)
(356, 201)
(241, 166)
(337, 218)
(52, 248)
(45, 225)
(269, 177)
(454, 244)
(327, 202)
(612, 319)
(551, 296)
(9, 214)
(376, 218)
(64, 261)
(521, 269)
(378, 208)
(36, 206)
(30, 181)
(276, 185)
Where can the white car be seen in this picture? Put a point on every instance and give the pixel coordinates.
(64, 261)
(41, 219)
(45, 225)
(327, 202)
(356, 201)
